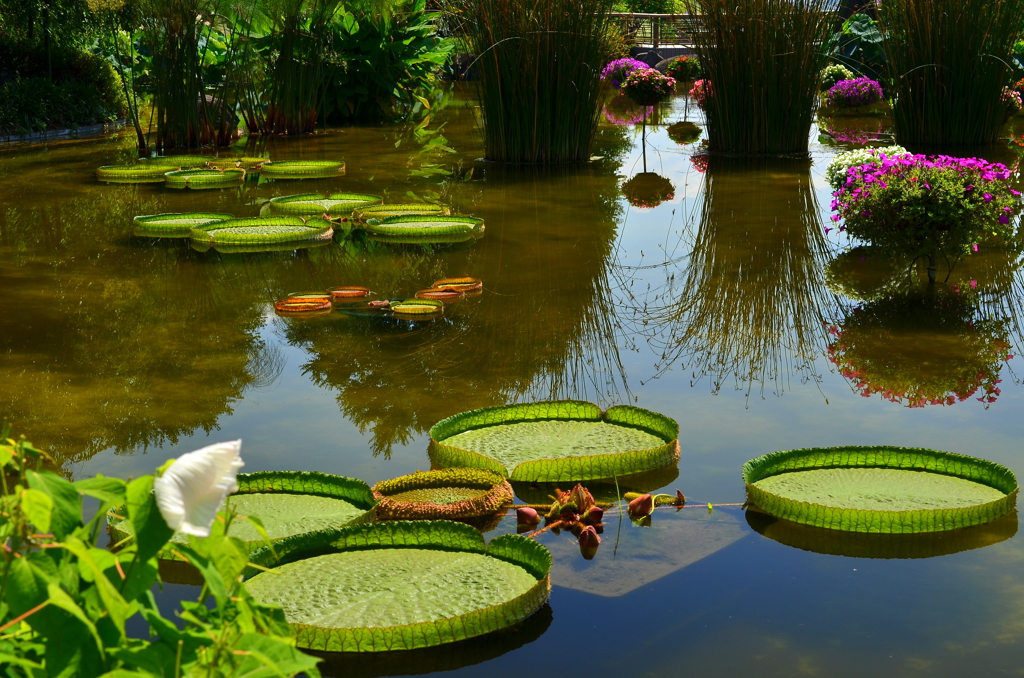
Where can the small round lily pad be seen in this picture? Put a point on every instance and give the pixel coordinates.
(349, 292)
(444, 494)
(886, 490)
(464, 284)
(440, 294)
(416, 308)
(556, 441)
(400, 585)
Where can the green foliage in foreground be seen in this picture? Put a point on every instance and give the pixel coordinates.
(896, 522)
(65, 602)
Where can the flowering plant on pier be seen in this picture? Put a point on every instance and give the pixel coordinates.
(917, 205)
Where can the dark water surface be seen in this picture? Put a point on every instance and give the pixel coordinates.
(714, 308)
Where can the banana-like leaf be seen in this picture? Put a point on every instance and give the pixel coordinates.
(398, 210)
(314, 203)
(174, 224)
(263, 230)
(886, 490)
(301, 169)
(865, 545)
(400, 585)
(203, 178)
(556, 441)
(444, 494)
(179, 161)
(287, 502)
(429, 225)
(131, 174)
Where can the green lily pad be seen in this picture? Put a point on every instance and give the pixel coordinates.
(556, 441)
(203, 178)
(174, 224)
(263, 231)
(180, 161)
(423, 226)
(311, 203)
(246, 163)
(131, 174)
(400, 585)
(880, 489)
(398, 210)
(445, 494)
(287, 502)
(301, 169)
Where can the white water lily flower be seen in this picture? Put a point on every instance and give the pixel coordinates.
(193, 488)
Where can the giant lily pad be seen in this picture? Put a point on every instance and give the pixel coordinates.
(263, 231)
(288, 502)
(312, 203)
(203, 178)
(400, 585)
(398, 210)
(174, 224)
(180, 161)
(880, 489)
(429, 225)
(301, 169)
(556, 441)
(444, 494)
(131, 174)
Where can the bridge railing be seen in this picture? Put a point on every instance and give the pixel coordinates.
(659, 30)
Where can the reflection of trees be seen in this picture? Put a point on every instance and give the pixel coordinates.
(751, 302)
(122, 345)
(543, 327)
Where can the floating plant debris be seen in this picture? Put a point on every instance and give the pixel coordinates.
(350, 589)
(553, 441)
(880, 489)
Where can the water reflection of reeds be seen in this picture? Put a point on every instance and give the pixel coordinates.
(751, 302)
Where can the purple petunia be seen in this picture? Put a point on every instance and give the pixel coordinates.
(851, 93)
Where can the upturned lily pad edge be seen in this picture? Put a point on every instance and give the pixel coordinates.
(440, 535)
(916, 521)
(498, 496)
(566, 469)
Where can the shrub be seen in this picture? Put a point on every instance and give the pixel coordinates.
(647, 86)
(833, 74)
(853, 93)
(616, 71)
(836, 171)
(684, 68)
(917, 205)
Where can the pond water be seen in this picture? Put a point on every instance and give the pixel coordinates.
(716, 307)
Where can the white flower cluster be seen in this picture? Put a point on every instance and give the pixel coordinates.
(835, 173)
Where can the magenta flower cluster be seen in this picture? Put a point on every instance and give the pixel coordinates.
(852, 93)
(616, 71)
(646, 86)
(915, 203)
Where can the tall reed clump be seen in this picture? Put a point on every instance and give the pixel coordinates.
(538, 61)
(763, 59)
(947, 65)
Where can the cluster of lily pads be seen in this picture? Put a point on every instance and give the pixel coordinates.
(196, 171)
(426, 304)
(353, 556)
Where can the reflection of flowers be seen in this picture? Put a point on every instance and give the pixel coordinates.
(863, 274)
(621, 110)
(921, 350)
(700, 162)
(648, 189)
(849, 135)
(683, 132)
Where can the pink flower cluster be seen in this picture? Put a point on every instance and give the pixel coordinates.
(701, 92)
(851, 93)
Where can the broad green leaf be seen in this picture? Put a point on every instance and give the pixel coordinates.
(880, 489)
(67, 506)
(108, 490)
(6, 455)
(214, 581)
(115, 604)
(148, 525)
(267, 657)
(38, 507)
(556, 441)
(229, 556)
(401, 585)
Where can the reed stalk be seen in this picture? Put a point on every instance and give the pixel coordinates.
(538, 61)
(947, 65)
(764, 60)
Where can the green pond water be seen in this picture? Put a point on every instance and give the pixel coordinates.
(718, 307)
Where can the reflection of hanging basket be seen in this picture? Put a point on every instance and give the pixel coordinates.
(648, 189)
(921, 350)
(621, 110)
(683, 132)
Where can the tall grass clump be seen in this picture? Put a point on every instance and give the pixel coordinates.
(947, 65)
(538, 60)
(763, 59)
